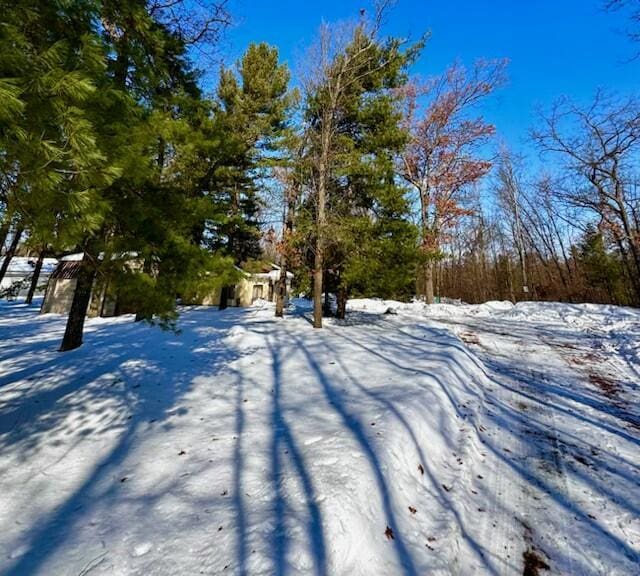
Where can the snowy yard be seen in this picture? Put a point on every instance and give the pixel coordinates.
(452, 440)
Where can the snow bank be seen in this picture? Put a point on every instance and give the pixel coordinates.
(618, 326)
(602, 316)
(246, 444)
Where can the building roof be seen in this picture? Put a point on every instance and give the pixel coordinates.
(268, 270)
(66, 270)
(72, 257)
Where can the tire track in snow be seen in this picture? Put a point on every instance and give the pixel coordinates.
(551, 491)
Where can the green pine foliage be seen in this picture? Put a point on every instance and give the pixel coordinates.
(51, 163)
(109, 147)
(602, 268)
(370, 246)
(251, 122)
(99, 109)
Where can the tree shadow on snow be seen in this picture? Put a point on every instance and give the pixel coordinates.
(141, 371)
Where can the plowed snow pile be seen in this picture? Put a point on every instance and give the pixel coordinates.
(437, 440)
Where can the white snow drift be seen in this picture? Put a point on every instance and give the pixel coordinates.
(436, 440)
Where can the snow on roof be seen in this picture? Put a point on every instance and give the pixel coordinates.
(272, 274)
(25, 265)
(77, 257)
(72, 257)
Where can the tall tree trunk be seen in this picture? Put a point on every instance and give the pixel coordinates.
(81, 296)
(428, 282)
(35, 277)
(326, 307)
(11, 251)
(342, 296)
(281, 289)
(234, 246)
(510, 279)
(319, 255)
(121, 68)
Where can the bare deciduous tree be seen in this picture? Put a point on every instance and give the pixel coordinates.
(632, 7)
(197, 22)
(599, 145)
(444, 153)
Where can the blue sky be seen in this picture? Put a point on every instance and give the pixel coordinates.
(561, 47)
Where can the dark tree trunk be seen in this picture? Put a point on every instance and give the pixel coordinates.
(281, 287)
(317, 289)
(75, 322)
(281, 290)
(428, 282)
(224, 298)
(318, 264)
(35, 278)
(121, 68)
(11, 251)
(341, 309)
(326, 307)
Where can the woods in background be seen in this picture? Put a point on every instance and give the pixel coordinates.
(363, 180)
(572, 233)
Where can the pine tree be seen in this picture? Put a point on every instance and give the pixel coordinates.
(51, 164)
(143, 250)
(353, 122)
(601, 268)
(251, 120)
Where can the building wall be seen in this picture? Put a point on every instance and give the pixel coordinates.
(212, 299)
(244, 292)
(59, 296)
(247, 290)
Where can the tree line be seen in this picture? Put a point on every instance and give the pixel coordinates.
(570, 232)
(110, 147)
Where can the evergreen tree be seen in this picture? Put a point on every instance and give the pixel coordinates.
(96, 121)
(51, 163)
(357, 207)
(250, 121)
(601, 268)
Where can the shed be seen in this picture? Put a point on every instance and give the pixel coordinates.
(61, 288)
(253, 286)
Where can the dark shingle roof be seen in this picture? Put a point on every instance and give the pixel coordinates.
(66, 270)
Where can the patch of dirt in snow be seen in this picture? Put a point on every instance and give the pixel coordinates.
(533, 563)
(532, 557)
(607, 385)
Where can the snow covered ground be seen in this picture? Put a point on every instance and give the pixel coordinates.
(464, 440)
